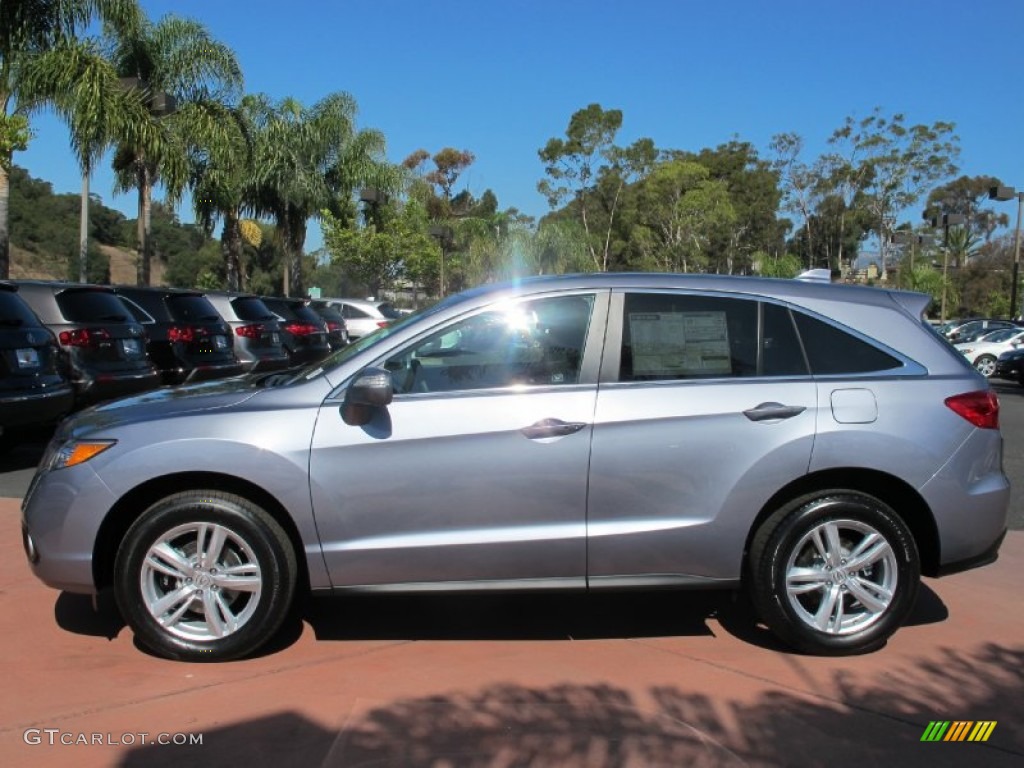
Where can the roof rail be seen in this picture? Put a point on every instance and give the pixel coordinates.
(815, 276)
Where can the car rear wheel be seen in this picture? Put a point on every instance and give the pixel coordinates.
(985, 365)
(834, 573)
(204, 576)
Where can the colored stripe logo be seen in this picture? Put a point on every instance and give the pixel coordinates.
(958, 730)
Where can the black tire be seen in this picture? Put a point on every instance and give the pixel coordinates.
(200, 603)
(823, 592)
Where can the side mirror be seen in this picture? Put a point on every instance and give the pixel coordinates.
(371, 389)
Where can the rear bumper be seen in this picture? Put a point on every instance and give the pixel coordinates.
(203, 372)
(265, 364)
(989, 555)
(94, 388)
(35, 407)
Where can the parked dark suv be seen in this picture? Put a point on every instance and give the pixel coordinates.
(337, 329)
(258, 342)
(105, 349)
(187, 339)
(33, 390)
(303, 331)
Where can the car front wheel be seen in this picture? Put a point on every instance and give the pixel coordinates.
(204, 576)
(834, 573)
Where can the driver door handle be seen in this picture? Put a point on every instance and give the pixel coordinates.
(552, 428)
(772, 411)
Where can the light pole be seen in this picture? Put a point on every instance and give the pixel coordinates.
(160, 104)
(373, 199)
(945, 221)
(1008, 193)
(444, 239)
(912, 239)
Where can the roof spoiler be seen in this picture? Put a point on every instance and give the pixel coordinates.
(815, 276)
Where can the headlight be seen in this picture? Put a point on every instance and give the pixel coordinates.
(78, 451)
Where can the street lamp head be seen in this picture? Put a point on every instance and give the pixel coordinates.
(371, 195)
(1002, 193)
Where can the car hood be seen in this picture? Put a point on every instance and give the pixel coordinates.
(163, 403)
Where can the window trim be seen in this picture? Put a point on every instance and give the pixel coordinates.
(610, 366)
(590, 366)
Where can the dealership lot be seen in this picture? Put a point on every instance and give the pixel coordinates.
(659, 679)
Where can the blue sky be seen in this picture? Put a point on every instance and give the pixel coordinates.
(501, 78)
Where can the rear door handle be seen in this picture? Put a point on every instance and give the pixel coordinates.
(771, 411)
(552, 428)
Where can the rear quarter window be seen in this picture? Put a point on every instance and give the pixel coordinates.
(834, 351)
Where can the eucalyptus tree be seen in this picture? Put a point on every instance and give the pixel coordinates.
(798, 182)
(681, 207)
(897, 163)
(186, 77)
(968, 196)
(576, 164)
(309, 160)
(28, 28)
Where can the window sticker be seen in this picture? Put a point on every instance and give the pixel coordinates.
(679, 343)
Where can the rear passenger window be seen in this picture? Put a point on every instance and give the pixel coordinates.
(681, 336)
(833, 351)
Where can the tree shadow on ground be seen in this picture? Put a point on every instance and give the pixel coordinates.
(860, 721)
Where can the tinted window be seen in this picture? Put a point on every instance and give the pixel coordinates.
(537, 342)
(251, 308)
(832, 351)
(679, 336)
(389, 311)
(138, 313)
(14, 311)
(91, 306)
(781, 354)
(191, 309)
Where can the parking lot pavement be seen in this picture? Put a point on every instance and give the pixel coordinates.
(621, 680)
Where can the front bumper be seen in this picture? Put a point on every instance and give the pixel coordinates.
(60, 518)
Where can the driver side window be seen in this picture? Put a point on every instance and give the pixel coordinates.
(533, 343)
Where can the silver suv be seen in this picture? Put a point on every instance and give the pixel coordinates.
(816, 445)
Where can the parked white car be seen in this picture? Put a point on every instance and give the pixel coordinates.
(364, 316)
(984, 352)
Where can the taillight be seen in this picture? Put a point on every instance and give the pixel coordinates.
(83, 337)
(301, 329)
(383, 323)
(981, 408)
(186, 334)
(253, 331)
(333, 326)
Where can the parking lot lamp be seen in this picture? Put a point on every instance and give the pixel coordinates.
(945, 221)
(1008, 193)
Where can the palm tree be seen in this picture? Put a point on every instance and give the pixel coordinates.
(29, 28)
(309, 160)
(186, 77)
(223, 187)
(88, 94)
